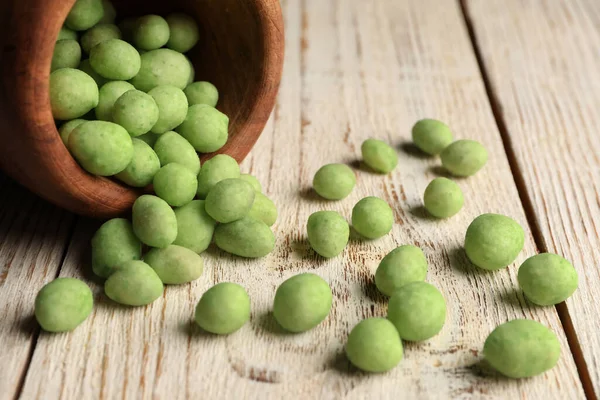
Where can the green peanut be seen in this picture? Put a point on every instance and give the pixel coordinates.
(172, 147)
(374, 345)
(135, 111)
(302, 302)
(134, 283)
(115, 59)
(215, 170)
(431, 136)
(229, 200)
(246, 237)
(184, 32)
(72, 93)
(464, 157)
(547, 279)
(223, 309)
(143, 166)
(202, 92)
(110, 14)
(102, 148)
(63, 304)
(195, 227)
(334, 181)
(67, 54)
(99, 34)
(174, 264)
(172, 107)
(205, 128)
(150, 32)
(522, 348)
(253, 181)
(66, 33)
(372, 217)
(113, 244)
(68, 127)
(328, 233)
(162, 67)
(379, 155)
(109, 93)
(418, 310)
(263, 209)
(154, 221)
(401, 266)
(84, 14)
(175, 184)
(443, 198)
(493, 241)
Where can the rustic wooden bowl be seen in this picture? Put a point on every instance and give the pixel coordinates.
(240, 51)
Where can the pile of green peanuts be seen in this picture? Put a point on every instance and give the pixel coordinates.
(115, 90)
(152, 119)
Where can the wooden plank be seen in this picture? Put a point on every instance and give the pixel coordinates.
(542, 58)
(33, 237)
(353, 70)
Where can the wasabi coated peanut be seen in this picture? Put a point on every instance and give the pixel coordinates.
(109, 93)
(192, 72)
(154, 221)
(98, 34)
(135, 111)
(133, 283)
(328, 233)
(113, 244)
(214, 170)
(87, 68)
(223, 309)
(379, 155)
(174, 264)
(374, 345)
(302, 302)
(101, 148)
(172, 107)
(547, 279)
(431, 136)
(63, 304)
(184, 32)
(67, 54)
(493, 241)
(143, 166)
(253, 181)
(195, 227)
(205, 128)
(246, 237)
(202, 93)
(172, 147)
(149, 138)
(263, 209)
(522, 348)
(464, 157)
(72, 93)
(418, 310)
(443, 198)
(84, 14)
(68, 127)
(229, 200)
(401, 266)
(150, 32)
(372, 217)
(175, 184)
(66, 33)
(110, 14)
(334, 181)
(162, 67)
(115, 59)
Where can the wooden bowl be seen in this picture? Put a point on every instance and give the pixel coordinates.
(240, 51)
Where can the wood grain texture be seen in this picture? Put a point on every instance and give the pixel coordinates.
(33, 237)
(241, 51)
(542, 60)
(353, 70)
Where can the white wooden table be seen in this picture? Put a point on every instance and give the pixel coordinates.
(521, 76)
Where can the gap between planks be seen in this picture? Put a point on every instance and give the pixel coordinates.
(525, 198)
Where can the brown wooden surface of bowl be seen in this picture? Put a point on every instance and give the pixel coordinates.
(240, 51)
